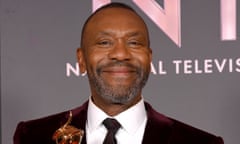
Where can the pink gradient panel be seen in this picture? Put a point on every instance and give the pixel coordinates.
(98, 3)
(228, 19)
(168, 19)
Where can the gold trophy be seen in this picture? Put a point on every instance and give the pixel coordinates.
(68, 134)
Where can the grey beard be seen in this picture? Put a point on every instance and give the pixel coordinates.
(119, 94)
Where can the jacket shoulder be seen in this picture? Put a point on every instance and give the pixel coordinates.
(187, 134)
(34, 131)
(40, 130)
(168, 130)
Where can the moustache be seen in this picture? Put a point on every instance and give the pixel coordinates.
(119, 64)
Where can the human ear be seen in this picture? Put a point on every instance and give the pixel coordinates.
(150, 54)
(81, 61)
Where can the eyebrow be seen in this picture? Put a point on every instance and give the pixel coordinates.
(130, 34)
(104, 33)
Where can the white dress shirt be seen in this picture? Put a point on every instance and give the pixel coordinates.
(133, 122)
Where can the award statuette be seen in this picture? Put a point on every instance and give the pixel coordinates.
(68, 134)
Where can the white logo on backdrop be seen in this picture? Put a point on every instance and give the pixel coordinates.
(206, 66)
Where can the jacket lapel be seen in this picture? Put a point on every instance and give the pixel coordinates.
(80, 118)
(158, 129)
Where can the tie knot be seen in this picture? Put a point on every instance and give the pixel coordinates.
(111, 124)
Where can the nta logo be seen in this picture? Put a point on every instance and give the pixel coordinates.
(168, 19)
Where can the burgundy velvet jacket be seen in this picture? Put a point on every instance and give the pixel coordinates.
(159, 129)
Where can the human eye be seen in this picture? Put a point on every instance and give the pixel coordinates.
(104, 43)
(134, 43)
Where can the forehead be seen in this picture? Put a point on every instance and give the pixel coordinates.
(116, 17)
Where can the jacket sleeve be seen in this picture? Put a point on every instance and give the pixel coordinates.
(19, 134)
(34, 132)
(218, 140)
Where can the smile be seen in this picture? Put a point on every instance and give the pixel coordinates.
(119, 71)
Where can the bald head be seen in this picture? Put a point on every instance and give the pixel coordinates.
(106, 11)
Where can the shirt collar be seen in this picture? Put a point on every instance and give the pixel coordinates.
(133, 118)
(130, 120)
(95, 116)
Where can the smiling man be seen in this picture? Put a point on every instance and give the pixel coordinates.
(115, 52)
(116, 55)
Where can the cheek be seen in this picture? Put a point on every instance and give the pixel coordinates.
(143, 59)
(94, 58)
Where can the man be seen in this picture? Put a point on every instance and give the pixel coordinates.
(116, 54)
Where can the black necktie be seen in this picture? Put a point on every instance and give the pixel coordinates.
(112, 126)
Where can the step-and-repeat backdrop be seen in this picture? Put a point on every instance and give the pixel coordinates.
(195, 75)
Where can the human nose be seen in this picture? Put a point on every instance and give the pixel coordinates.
(119, 52)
